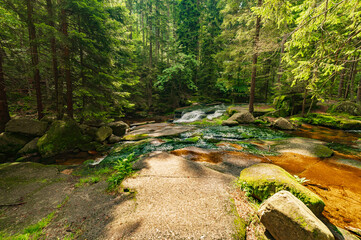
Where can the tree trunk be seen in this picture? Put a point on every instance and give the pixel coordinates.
(254, 61)
(354, 72)
(66, 59)
(304, 101)
(280, 69)
(49, 6)
(4, 110)
(340, 86)
(150, 25)
(34, 58)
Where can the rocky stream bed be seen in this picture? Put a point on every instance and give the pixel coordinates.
(184, 180)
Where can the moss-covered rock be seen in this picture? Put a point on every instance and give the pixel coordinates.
(26, 126)
(11, 143)
(62, 136)
(30, 147)
(331, 121)
(119, 128)
(263, 180)
(291, 104)
(346, 107)
(103, 133)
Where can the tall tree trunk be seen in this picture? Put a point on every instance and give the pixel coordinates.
(34, 58)
(340, 86)
(354, 72)
(4, 110)
(49, 6)
(254, 61)
(280, 69)
(304, 101)
(66, 59)
(150, 26)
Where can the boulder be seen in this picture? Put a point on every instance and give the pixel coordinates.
(263, 180)
(30, 147)
(11, 143)
(119, 128)
(62, 136)
(282, 123)
(88, 130)
(26, 126)
(103, 133)
(287, 218)
(232, 120)
(346, 107)
(114, 139)
(245, 117)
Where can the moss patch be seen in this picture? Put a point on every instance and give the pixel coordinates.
(263, 180)
(334, 121)
(62, 136)
(135, 137)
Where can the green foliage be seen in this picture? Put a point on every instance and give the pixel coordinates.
(122, 169)
(34, 231)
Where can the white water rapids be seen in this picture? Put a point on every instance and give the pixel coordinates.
(199, 114)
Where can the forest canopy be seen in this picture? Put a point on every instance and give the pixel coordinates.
(109, 58)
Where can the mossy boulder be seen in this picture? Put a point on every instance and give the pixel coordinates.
(30, 147)
(25, 126)
(290, 104)
(62, 136)
(327, 120)
(103, 133)
(263, 180)
(11, 143)
(135, 137)
(346, 107)
(232, 120)
(119, 128)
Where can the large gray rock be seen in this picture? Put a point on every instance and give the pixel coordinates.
(282, 123)
(245, 117)
(11, 143)
(30, 147)
(263, 180)
(119, 128)
(26, 126)
(287, 218)
(103, 133)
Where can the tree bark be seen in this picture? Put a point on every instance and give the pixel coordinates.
(34, 58)
(340, 86)
(4, 110)
(254, 61)
(49, 6)
(354, 72)
(280, 69)
(66, 59)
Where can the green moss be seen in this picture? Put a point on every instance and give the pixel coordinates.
(33, 232)
(334, 121)
(135, 137)
(87, 181)
(322, 151)
(263, 180)
(62, 136)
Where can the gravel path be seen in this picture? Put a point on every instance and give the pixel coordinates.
(174, 198)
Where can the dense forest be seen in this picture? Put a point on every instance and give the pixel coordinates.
(110, 58)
